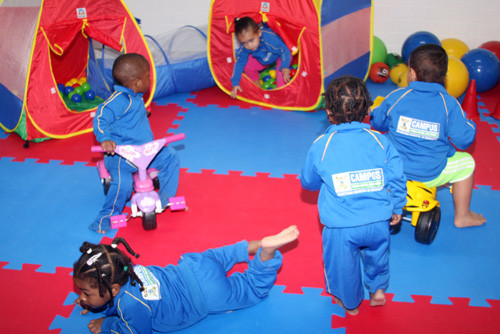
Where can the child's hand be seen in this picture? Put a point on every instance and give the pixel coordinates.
(235, 90)
(95, 325)
(78, 302)
(108, 146)
(395, 219)
(286, 74)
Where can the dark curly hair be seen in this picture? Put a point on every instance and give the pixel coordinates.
(347, 100)
(105, 265)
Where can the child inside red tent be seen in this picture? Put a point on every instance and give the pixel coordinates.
(259, 48)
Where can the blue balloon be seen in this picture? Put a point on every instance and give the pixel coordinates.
(415, 40)
(61, 87)
(68, 89)
(484, 67)
(89, 95)
(77, 98)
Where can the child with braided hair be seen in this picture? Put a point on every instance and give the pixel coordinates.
(138, 299)
(362, 190)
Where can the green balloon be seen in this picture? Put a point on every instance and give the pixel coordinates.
(379, 51)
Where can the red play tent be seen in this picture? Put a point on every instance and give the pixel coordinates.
(329, 38)
(48, 42)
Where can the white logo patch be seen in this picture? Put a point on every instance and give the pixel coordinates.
(362, 181)
(151, 283)
(417, 128)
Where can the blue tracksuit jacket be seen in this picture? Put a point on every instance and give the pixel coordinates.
(123, 119)
(421, 120)
(178, 296)
(359, 175)
(271, 48)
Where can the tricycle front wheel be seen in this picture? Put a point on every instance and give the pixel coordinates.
(427, 226)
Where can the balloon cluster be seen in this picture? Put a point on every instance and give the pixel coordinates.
(76, 89)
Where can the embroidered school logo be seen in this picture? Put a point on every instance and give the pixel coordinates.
(151, 284)
(417, 128)
(356, 182)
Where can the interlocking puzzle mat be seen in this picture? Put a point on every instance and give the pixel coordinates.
(52, 192)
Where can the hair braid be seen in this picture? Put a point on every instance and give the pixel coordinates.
(347, 100)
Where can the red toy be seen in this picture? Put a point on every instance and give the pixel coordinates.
(379, 72)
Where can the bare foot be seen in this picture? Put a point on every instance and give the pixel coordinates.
(271, 243)
(470, 219)
(348, 311)
(377, 298)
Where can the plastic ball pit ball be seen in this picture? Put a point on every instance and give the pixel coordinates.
(379, 51)
(89, 95)
(68, 89)
(85, 86)
(77, 98)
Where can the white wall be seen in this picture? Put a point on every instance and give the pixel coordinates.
(473, 22)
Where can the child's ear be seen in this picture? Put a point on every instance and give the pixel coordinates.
(115, 288)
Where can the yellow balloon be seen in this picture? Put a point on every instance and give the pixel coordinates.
(457, 77)
(454, 47)
(397, 72)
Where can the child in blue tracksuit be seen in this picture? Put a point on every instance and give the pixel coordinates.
(121, 120)
(143, 300)
(362, 190)
(423, 121)
(259, 48)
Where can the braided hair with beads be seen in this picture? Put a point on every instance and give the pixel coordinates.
(347, 100)
(104, 265)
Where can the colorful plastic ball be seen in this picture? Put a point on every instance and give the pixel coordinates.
(295, 66)
(399, 74)
(75, 86)
(68, 89)
(454, 47)
(73, 81)
(379, 51)
(85, 86)
(70, 95)
(272, 73)
(484, 67)
(89, 95)
(457, 77)
(403, 80)
(77, 98)
(61, 87)
(266, 78)
(81, 81)
(393, 59)
(415, 40)
(379, 72)
(493, 46)
(293, 71)
(266, 85)
(79, 90)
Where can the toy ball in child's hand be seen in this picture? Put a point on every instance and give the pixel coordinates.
(293, 71)
(77, 98)
(379, 72)
(68, 89)
(89, 95)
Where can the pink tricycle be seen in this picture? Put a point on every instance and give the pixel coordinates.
(145, 201)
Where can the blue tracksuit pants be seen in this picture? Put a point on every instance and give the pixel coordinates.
(120, 190)
(343, 251)
(239, 290)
